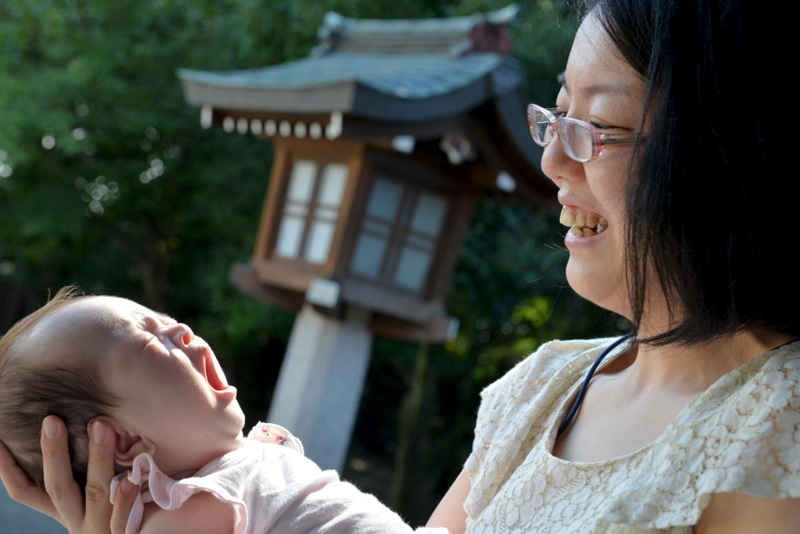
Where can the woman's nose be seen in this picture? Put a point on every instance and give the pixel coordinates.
(556, 165)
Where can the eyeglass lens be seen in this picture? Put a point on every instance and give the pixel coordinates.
(542, 133)
(576, 139)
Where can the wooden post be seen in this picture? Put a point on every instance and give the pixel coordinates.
(321, 380)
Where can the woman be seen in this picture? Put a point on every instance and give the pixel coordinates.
(672, 194)
(665, 146)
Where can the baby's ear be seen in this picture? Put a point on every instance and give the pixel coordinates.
(128, 446)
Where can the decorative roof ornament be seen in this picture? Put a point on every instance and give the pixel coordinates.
(439, 79)
(484, 32)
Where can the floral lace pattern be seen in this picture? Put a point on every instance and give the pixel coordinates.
(740, 435)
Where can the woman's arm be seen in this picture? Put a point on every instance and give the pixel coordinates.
(450, 511)
(737, 513)
(63, 499)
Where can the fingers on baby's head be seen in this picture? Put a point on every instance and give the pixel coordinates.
(42, 373)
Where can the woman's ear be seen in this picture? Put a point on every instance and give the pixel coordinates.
(127, 445)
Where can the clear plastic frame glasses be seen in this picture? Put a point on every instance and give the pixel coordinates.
(580, 140)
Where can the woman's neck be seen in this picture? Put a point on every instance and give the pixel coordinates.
(694, 368)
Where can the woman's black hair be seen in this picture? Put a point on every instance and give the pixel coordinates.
(710, 201)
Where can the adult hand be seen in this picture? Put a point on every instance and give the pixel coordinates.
(62, 498)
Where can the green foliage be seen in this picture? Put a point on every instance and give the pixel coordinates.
(111, 183)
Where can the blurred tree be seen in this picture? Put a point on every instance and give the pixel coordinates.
(107, 181)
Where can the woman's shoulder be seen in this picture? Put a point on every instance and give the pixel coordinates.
(766, 388)
(553, 359)
(738, 438)
(523, 398)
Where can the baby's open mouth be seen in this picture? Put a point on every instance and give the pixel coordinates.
(214, 375)
(582, 223)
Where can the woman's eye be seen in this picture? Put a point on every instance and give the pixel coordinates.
(604, 126)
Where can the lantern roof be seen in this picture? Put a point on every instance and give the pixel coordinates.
(390, 78)
(398, 87)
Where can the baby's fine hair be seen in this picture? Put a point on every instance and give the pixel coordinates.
(31, 390)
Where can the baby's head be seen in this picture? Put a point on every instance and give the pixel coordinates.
(158, 385)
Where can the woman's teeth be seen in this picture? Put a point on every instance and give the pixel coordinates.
(583, 224)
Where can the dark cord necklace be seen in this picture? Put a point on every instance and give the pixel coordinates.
(582, 392)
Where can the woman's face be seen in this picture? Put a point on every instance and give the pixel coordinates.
(599, 87)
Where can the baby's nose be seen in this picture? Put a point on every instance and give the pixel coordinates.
(180, 334)
(185, 336)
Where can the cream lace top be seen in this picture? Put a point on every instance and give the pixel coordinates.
(741, 435)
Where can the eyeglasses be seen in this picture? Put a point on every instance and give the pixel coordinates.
(580, 140)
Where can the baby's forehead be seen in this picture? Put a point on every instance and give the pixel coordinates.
(95, 311)
(88, 316)
(66, 331)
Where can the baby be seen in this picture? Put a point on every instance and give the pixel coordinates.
(177, 420)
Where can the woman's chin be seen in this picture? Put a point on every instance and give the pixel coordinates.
(594, 285)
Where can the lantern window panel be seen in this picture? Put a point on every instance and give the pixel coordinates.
(412, 269)
(429, 214)
(319, 242)
(290, 237)
(334, 183)
(301, 183)
(384, 199)
(368, 256)
(311, 211)
(398, 237)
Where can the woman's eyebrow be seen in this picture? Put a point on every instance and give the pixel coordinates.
(597, 88)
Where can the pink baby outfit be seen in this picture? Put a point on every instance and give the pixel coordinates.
(271, 489)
